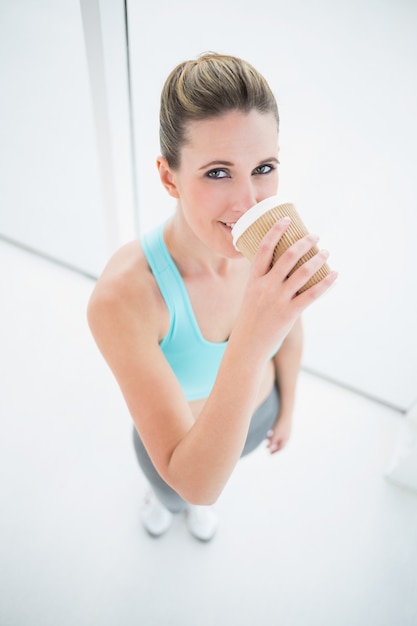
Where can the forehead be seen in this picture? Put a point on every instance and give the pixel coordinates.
(232, 132)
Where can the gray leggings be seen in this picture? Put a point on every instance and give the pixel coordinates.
(262, 421)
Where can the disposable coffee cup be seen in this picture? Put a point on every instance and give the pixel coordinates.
(252, 227)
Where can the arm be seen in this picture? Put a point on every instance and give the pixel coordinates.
(287, 365)
(196, 458)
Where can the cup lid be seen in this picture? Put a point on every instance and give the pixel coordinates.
(252, 214)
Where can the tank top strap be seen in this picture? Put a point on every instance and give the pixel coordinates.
(171, 285)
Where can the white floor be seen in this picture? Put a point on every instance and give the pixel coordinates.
(314, 536)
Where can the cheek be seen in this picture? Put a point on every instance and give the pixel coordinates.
(196, 201)
(275, 176)
(206, 196)
(271, 184)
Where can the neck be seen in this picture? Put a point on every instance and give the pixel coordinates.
(190, 254)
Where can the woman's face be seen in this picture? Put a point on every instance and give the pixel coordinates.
(228, 164)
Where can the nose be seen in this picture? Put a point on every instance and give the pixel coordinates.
(243, 196)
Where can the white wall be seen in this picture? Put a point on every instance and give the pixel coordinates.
(63, 192)
(344, 76)
(50, 191)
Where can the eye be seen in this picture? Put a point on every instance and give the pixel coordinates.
(217, 173)
(266, 168)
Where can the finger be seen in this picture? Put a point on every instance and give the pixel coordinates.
(286, 263)
(312, 294)
(273, 442)
(306, 271)
(263, 258)
(275, 446)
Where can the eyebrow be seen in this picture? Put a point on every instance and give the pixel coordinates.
(227, 163)
(221, 163)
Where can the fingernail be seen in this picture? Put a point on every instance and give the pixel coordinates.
(285, 220)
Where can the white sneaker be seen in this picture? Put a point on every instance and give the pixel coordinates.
(155, 517)
(202, 522)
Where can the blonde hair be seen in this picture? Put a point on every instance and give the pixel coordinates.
(207, 87)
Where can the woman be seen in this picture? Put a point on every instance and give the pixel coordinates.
(189, 328)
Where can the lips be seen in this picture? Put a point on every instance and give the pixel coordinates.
(229, 225)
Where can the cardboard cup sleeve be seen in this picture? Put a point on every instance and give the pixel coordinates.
(252, 227)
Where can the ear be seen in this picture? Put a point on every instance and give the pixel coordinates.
(167, 177)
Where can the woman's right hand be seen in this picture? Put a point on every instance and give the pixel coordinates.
(272, 303)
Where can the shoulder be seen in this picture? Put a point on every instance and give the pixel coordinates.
(126, 292)
(125, 277)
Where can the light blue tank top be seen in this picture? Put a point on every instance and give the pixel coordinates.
(194, 360)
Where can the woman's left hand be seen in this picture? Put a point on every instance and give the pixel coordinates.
(279, 435)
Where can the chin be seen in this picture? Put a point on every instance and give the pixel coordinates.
(230, 252)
